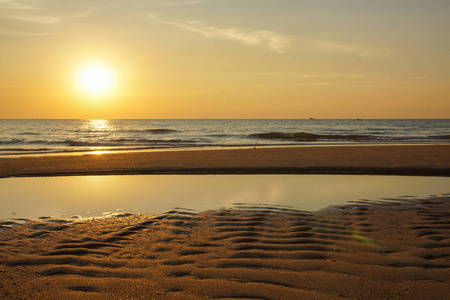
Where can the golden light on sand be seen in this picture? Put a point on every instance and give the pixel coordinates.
(96, 79)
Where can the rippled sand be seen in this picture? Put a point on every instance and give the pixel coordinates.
(387, 249)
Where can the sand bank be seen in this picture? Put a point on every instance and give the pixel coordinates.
(396, 249)
(401, 160)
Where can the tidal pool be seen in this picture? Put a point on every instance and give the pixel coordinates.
(90, 196)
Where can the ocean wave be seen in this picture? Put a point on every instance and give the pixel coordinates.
(112, 130)
(29, 133)
(24, 149)
(223, 135)
(122, 140)
(147, 141)
(44, 142)
(93, 131)
(12, 142)
(160, 130)
(304, 136)
(98, 143)
(126, 142)
(441, 137)
(377, 128)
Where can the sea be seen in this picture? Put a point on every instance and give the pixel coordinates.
(92, 196)
(30, 137)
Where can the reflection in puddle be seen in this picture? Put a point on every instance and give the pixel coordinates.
(89, 196)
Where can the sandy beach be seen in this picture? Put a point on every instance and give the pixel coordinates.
(386, 249)
(395, 160)
(205, 149)
(396, 249)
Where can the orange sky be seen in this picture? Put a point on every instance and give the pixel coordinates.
(227, 58)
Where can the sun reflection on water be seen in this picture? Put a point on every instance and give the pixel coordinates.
(94, 132)
(97, 126)
(98, 152)
(77, 195)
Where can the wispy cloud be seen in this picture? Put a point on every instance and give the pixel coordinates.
(37, 19)
(329, 75)
(16, 5)
(23, 11)
(43, 17)
(34, 17)
(175, 3)
(354, 49)
(318, 83)
(275, 41)
(278, 42)
(24, 33)
(368, 81)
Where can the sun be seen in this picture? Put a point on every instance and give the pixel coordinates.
(96, 79)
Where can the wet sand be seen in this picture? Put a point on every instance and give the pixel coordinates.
(384, 160)
(398, 249)
(390, 249)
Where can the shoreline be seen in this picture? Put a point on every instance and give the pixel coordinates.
(412, 160)
(202, 148)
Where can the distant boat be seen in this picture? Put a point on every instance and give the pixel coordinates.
(312, 118)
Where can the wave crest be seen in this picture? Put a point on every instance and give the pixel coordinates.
(304, 136)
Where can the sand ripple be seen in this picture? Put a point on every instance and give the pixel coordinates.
(387, 249)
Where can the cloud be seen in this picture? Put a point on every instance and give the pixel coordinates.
(354, 49)
(275, 41)
(368, 81)
(43, 17)
(331, 75)
(35, 17)
(318, 83)
(278, 42)
(16, 5)
(175, 3)
(24, 33)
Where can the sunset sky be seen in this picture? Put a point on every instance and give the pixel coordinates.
(225, 58)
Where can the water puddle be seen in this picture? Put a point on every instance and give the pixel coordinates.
(91, 196)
